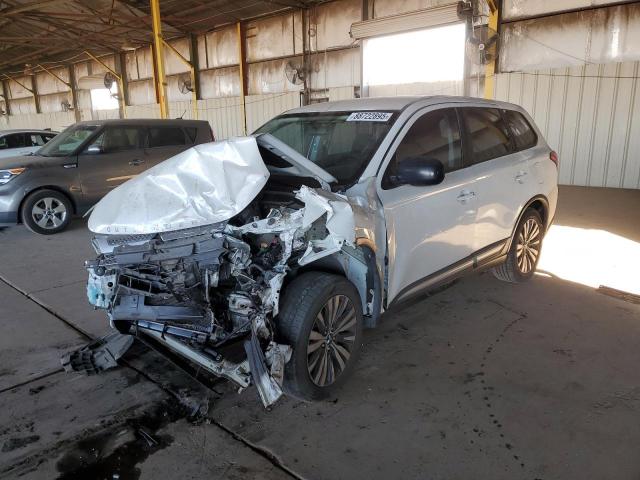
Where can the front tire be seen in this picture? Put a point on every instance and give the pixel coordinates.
(46, 212)
(524, 253)
(321, 318)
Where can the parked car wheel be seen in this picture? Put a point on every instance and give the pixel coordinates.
(46, 212)
(524, 253)
(321, 318)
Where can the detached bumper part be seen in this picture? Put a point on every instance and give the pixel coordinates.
(268, 388)
(236, 372)
(99, 355)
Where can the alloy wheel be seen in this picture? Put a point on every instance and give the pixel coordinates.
(49, 213)
(528, 246)
(331, 340)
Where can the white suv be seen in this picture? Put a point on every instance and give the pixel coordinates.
(287, 243)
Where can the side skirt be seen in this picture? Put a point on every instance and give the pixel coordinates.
(487, 257)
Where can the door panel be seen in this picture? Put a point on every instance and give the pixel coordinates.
(502, 176)
(428, 227)
(164, 142)
(498, 197)
(118, 157)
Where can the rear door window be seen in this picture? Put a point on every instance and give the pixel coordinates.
(523, 134)
(166, 136)
(487, 133)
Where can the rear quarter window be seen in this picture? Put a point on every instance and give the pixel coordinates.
(523, 134)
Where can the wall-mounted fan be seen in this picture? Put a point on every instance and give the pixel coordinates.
(294, 73)
(66, 106)
(482, 47)
(184, 85)
(109, 80)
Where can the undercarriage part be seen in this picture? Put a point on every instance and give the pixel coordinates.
(236, 372)
(268, 388)
(99, 355)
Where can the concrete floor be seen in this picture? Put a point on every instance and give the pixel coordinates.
(482, 380)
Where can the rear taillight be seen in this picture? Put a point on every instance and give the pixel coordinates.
(553, 156)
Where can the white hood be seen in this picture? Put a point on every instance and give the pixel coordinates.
(206, 184)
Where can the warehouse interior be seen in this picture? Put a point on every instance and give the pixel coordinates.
(479, 379)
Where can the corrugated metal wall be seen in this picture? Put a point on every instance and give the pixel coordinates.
(589, 115)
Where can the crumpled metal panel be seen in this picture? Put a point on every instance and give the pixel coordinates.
(597, 36)
(206, 184)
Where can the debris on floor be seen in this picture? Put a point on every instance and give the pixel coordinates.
(97, 356)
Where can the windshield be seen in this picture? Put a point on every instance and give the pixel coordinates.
(66, 142)
(342, 143)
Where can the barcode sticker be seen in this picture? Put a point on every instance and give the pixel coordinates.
(369, 117)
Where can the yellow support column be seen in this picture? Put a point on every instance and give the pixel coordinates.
(490, 69)
(161, 83)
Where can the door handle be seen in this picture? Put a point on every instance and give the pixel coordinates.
(520, 177)
(135, 162)
(465, 196)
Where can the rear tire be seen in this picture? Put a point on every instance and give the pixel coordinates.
(46, 212)
(524, 253)
(321, 318)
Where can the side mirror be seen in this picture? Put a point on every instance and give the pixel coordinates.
(94, 149)
(419, 171)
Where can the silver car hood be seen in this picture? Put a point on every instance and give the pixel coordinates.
(300, 165)
(206, 184)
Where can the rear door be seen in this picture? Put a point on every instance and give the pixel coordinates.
(429, 228)
(164, 141)
(501, 172)
(114, 156)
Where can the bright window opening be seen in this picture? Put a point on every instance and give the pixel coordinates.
(104, 99)
(433, 55)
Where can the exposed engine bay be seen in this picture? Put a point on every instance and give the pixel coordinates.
(200, 289)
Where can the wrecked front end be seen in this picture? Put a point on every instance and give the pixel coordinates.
(192, 257)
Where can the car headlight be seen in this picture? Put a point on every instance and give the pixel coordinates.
(7, 175)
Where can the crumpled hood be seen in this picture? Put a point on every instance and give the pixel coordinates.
(206, 184)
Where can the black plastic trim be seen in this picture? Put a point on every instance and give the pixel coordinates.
(484, 258)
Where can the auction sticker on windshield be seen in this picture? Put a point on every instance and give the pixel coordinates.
(369, 117)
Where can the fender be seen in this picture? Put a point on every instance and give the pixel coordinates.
(544, 214)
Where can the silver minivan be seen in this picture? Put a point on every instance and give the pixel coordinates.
(286, 244)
